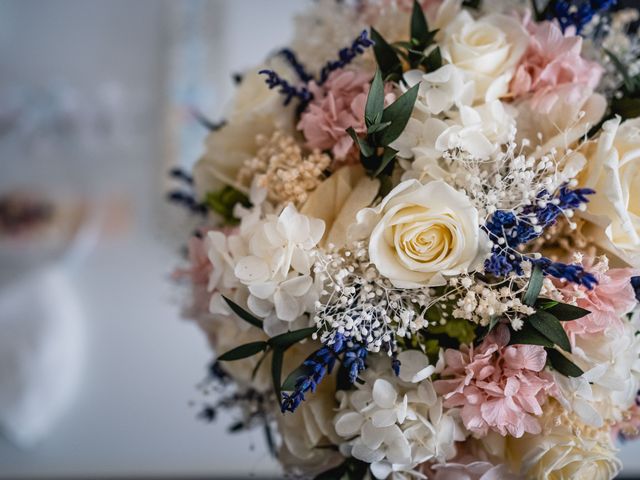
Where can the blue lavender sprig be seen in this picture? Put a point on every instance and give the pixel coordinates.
(289, 91)
(346, 55)
(298, 67)
(509, 231)
(635, 283)
(321, 364)
(576, 13)
(188, 201)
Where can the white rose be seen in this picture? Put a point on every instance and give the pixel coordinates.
(613, 171)
(256, 110)
(421, 233)
(487, 49)
(561, 453)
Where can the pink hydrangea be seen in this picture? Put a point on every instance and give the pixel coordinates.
(337, 105)
(198, 272)
(552, 68)
(608, 301)
(497, 387)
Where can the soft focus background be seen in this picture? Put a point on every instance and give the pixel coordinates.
(98, 372)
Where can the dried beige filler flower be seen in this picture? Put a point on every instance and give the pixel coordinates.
(281, 166)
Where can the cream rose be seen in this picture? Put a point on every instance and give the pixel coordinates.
(613, 171)
(337, 200)
(560, 453)
(420, 234)
(256, 110)
(487, 49)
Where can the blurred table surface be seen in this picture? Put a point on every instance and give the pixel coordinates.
(132, 416)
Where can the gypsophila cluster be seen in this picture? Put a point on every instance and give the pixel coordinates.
(509, 181)
(481, 302)
(359, 303)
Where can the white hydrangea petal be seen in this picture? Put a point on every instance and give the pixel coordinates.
(348, 424)
(362, 452)
(259, 306)
(263, 290)
(384, 394)
(380, 470)
(287, 307)
(384, 418)
(252, 269)
(297, 286)
(414, 366)
(301, 261)
(372, 435)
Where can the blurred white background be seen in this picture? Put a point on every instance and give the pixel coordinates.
(94, 99)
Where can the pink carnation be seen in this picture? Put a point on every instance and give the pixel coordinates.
(552, 68)
(337, 105)
(498, 387)
(608, 301)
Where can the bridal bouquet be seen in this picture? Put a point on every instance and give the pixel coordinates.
(419, 254)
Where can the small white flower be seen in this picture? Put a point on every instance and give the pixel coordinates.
(397, 425)
(439, 90)
(277, 266)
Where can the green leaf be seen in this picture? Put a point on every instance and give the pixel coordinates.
(388, 155)
(626, 107)
(562, 364)
(258, 365)
(565, 312)
(419, 26)
(433, 61)
(243, 314)
(366, 149)
(527, 335)
(290, 382)
(398, 113)
(375, 100)
(388, 61)
(243, 351)
(285, 340)
(377, 127)
(550, 327)
(535, 285)
(276, 371)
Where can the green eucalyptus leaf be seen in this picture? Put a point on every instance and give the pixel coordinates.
(528, 335)
(433, 61)
(243, 314)
(377, 127)
(562, 364)
(535, 285)
(386, 56)
(276, 371)
(387, 157)
(398, 113)
(375, 100)
(419, 26)
(366, 149)
(243, 351)
(565, 312)
(550, 327)
(285, 340)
